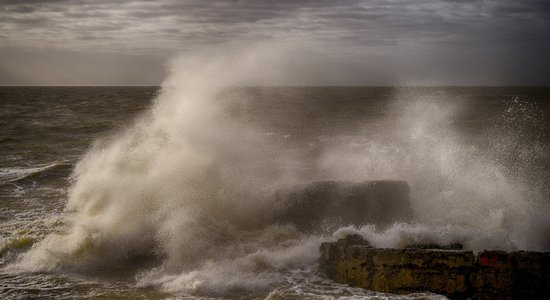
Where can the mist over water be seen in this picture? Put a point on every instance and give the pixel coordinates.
(181, 198)
(460, 192)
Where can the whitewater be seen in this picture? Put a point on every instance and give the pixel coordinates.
(179, 199)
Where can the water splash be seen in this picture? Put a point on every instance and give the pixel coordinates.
(182, 191)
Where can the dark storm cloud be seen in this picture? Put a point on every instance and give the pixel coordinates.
(345, 21)
(357, 30)
(20, 9)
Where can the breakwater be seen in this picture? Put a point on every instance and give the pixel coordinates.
(457, 274)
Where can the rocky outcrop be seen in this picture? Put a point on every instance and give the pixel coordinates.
(338, 203)
(457, 274)
(514, 275)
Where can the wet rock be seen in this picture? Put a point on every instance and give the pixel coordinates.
(453, 246)
(337, 203)
(456, 274)
(333, 253)
(515, 275)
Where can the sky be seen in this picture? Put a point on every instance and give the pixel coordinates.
(385, 42)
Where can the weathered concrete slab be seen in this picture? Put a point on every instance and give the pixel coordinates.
(454, 273)
(337, 203)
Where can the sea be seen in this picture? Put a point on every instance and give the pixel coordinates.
(160, 192)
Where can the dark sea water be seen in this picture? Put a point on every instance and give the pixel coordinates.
(138, 218)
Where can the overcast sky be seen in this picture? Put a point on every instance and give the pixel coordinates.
(386, 42)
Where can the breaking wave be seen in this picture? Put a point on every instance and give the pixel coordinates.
(56, 169)
(183, 196)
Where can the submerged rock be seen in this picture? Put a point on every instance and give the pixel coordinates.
(454, 273)
(338, 203)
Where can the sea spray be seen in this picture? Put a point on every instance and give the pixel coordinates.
(184, 186)
(182, 195)
(453, 182)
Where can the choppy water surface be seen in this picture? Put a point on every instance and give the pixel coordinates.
(142, 192)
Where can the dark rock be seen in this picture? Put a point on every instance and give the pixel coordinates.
(453, 246)
(514, 275)
(337, 203)
(333, 253)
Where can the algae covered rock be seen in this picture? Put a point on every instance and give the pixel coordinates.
(409, 270)
(456, 274)
(398, 270)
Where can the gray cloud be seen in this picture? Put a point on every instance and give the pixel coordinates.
(357, 31)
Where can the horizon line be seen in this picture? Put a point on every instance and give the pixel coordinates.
(292, 86)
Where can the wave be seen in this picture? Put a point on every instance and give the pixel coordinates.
(187, 188)
(60, 169)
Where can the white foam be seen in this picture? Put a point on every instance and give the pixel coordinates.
(185, 184)
(453, 183)
(14, 174)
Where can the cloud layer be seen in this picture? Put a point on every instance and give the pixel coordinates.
(488, 39)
